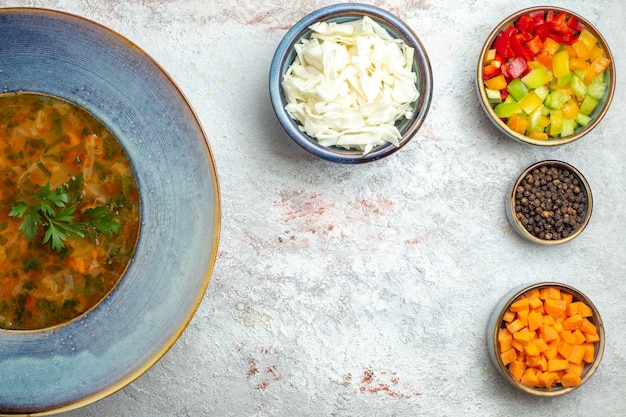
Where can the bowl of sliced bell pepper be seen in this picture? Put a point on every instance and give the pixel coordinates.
(546, 339)
(545, 76)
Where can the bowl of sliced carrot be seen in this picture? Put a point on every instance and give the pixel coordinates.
(547, 339)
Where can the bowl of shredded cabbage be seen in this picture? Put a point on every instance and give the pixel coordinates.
(351, 83)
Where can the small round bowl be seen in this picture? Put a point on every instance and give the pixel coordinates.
(497, 322)
(565, 224)
(285, 55)
(596, 116)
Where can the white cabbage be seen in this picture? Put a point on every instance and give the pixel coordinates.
(349, 84)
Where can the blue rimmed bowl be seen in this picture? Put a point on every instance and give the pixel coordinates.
(69, 366)
(285, 55)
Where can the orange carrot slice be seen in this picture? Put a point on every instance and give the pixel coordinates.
(547, 337)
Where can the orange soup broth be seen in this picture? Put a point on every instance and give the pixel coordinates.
(48, 140)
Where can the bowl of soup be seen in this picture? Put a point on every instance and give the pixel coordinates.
(109, 212)
(73, 207)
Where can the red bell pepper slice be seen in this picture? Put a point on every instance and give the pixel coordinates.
(502, 42)
(572, 23)
(518, 67)
(563, 29)
(523, 23)
(519, 49)
(543, 31)
(575, 24)
(566, 38)
(534, 45)
(538, 18)
(559, 21)
(514, 69)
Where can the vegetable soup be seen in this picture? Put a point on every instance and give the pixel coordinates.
(69, 211)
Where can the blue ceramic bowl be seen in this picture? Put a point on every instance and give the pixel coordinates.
(285, 55)
(69, 366)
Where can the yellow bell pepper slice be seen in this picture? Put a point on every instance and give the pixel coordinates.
(560, 63)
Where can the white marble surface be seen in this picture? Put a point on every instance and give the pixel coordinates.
(365, 290)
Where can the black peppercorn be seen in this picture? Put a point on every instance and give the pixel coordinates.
(550, 202)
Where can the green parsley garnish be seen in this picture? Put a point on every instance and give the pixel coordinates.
(53, 210)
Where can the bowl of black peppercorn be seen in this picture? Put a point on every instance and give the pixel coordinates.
(550, 203)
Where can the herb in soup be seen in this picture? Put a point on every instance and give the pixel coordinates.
(59, 224)
(69, 211)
